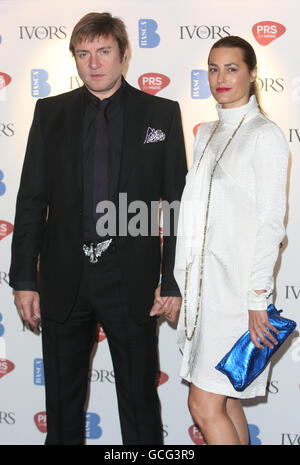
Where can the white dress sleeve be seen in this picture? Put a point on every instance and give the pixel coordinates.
(270, 162)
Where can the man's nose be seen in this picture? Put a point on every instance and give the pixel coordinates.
(94, 61)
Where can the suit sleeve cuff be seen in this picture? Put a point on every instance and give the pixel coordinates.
(170, 293)
(24, 286)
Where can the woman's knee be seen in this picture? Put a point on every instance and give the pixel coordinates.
(204, 406)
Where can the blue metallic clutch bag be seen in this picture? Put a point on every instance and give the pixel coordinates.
(244, 362)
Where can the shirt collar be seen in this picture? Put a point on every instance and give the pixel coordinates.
(115, 98)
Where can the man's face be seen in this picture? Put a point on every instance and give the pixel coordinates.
(99, 65)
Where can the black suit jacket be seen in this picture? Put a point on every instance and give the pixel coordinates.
(49, 210)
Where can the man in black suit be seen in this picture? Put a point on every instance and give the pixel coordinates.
(104, 142)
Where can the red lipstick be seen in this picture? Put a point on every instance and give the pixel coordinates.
(223, 89)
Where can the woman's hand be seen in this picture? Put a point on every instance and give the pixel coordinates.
(260, 327)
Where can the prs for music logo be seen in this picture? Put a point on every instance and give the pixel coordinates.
(6, 366)
(195, 128)
(40, 421)
(196, 435)
(161, 378)
(5, 228)
(100, 336)
(267, 31)
(153, 82)
(198, 438)
(92, 427)
(5, 79)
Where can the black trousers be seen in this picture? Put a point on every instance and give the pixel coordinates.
(67, 349)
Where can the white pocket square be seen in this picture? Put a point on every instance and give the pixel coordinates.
(154, 135)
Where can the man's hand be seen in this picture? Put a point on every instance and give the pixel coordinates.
(28, 305)
(168, 306)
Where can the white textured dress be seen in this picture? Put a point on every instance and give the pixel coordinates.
(244, 230)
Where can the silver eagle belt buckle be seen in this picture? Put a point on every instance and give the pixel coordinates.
(94, 251)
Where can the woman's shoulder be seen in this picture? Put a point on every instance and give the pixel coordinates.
(265, 126)
(268, 130)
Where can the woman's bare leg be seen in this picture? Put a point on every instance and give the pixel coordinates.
(236, 413)
(209, 412)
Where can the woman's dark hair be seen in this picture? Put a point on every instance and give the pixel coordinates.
(249, 58)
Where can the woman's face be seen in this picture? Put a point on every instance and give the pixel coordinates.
(229, 77)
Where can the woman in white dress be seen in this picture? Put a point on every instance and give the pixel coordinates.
(229, 233)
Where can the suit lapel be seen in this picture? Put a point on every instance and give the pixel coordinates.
(135, 127)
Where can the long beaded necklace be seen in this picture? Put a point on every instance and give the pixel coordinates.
(187, 269)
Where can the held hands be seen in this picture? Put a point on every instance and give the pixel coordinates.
(28, 306)
(259, 327)
(168, 306)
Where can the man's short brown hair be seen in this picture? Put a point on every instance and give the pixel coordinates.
(95, 25)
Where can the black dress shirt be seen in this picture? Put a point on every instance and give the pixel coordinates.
(114, 118)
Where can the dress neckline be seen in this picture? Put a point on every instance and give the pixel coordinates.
(231, 116)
